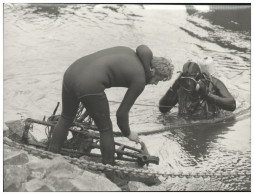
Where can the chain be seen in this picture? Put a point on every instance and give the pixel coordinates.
(84, 164)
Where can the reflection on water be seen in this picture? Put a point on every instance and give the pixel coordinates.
(42, 40)
(197, 140)
(47, 10)
(234, 17)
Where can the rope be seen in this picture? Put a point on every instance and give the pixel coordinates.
(138, 104)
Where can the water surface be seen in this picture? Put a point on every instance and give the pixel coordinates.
(41, 41)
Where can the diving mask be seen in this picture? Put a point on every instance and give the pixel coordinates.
(189, 83)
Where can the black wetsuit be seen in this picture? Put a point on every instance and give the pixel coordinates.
(195, 105)
(85, 81)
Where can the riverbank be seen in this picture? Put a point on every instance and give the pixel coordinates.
(24, 172)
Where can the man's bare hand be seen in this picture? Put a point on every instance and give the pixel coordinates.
(134, 137)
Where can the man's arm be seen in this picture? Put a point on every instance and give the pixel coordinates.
(146, 56)
(224, 100)
(130, 97)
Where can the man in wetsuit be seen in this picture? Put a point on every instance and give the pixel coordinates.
(199, 94)
(87, 78)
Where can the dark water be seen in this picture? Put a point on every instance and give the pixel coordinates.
(41, 41)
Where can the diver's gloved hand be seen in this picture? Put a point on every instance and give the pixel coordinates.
(176, 85)
(134, 137)
(203, 88)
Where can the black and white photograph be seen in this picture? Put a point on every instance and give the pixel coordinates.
(126, 97)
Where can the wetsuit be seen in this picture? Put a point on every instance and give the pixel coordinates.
(195, 105)
(85, 81)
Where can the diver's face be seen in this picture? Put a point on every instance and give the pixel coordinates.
(188, 83)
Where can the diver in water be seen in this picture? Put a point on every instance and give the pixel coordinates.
(87, 78)
(199, 94)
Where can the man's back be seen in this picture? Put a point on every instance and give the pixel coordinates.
(113, 67)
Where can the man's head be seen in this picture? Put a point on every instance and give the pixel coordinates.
(161, 70)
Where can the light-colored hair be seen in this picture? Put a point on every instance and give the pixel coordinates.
(163, 67)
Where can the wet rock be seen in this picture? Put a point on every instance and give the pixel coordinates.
(6, 131)
(14, 188)
(37, 169)
(68, 181)
(61, 184)
(16, 129)
(14, 176)
(138, 186)
(45, 188)
(7, 151)
(93, 182)
(59, 163)
(34, 158)
(36, 185)
(60, 174)
(118, 178)
(16, 158)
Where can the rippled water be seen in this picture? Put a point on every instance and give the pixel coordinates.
(41, 41)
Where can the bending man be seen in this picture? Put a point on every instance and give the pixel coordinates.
(87, 78)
